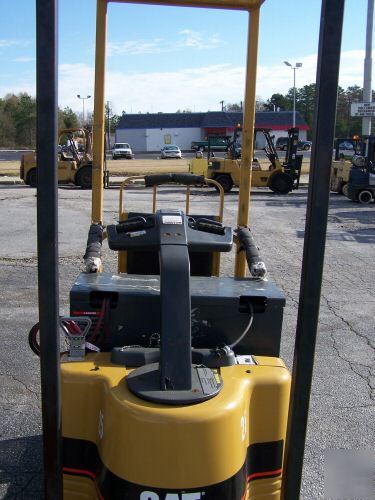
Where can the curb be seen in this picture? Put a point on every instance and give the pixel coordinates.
(12, 181)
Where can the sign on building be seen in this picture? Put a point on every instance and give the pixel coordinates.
(362, 109)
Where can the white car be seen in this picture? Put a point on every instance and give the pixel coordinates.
(122, 150)
(170, 151)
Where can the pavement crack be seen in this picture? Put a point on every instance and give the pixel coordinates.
(25, 486)
(13, 377)
(353, 407)
(352, 365)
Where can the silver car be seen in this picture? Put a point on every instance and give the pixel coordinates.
(170, 151)
(122, 150)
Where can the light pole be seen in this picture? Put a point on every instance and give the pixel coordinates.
(367, 86)
(83, 106)
(298, 65)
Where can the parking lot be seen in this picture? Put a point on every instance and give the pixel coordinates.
(342, 413)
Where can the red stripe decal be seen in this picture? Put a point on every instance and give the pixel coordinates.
(86, 313)
(264, 474)
(86, 473)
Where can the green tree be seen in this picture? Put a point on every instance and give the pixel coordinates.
(305, 102)
(69, 118)
(234, 107)
(24, 118)
(7, 129)
(278, 102)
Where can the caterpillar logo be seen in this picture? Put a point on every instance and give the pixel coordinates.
(151, 495)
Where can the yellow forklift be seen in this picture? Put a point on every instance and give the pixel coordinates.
(345, 149)
(149, 402)
(74, 166)
(281, 177)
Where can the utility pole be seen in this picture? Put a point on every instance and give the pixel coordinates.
(367, 83)
(222, 105)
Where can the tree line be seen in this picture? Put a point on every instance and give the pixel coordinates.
(346, 126)
(18, 120)
(18, 114)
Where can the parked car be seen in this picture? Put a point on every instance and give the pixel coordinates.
(346, 145)
(282, 143)
(122, 150)
(170, 151)
(216, 144)
(304, 145)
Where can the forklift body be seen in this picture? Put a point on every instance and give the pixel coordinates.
(344, 150)
(74, 166)
(279, 177)
(194, 407)
(361, 184)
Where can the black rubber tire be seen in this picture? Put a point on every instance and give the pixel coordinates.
(365, 197)
(344, 189)
(32, 178)
(306, 147)
(84, 177)
(201, 149)
(225, 181)
(281, 183)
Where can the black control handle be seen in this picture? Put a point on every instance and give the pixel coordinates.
(185, 179)
(208, 226)
(132, 224)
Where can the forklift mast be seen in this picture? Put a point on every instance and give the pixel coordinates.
(291, 151)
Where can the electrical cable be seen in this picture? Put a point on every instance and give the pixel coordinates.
(98, 325)
(246, 331)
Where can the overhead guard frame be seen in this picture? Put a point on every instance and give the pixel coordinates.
(250, 6)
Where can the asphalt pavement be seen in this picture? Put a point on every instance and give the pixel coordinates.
(342, 413)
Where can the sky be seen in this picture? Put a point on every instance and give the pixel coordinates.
(164, 59)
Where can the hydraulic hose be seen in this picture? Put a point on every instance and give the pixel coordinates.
(92, 257)
(255, 263)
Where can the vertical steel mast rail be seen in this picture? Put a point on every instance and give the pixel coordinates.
(314, 244)
(46, 92)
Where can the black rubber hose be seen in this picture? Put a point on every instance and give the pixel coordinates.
(94, 241)
(247, 244)
(33, 342)
(188, 179)
(156, 180)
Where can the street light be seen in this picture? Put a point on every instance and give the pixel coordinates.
(298, 65)
(83, 106)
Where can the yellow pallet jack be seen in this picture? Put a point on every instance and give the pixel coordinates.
(152, 401)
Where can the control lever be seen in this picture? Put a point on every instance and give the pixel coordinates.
(133, 224)
(208, 226)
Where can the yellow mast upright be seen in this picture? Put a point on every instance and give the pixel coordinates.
(248, 133)
(99, 120)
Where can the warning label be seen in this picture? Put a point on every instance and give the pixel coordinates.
(207, 379)
(172, 219)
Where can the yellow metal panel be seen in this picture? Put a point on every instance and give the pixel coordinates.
(215, 4)
(167, 446)
(98, 129)
(247, 135)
